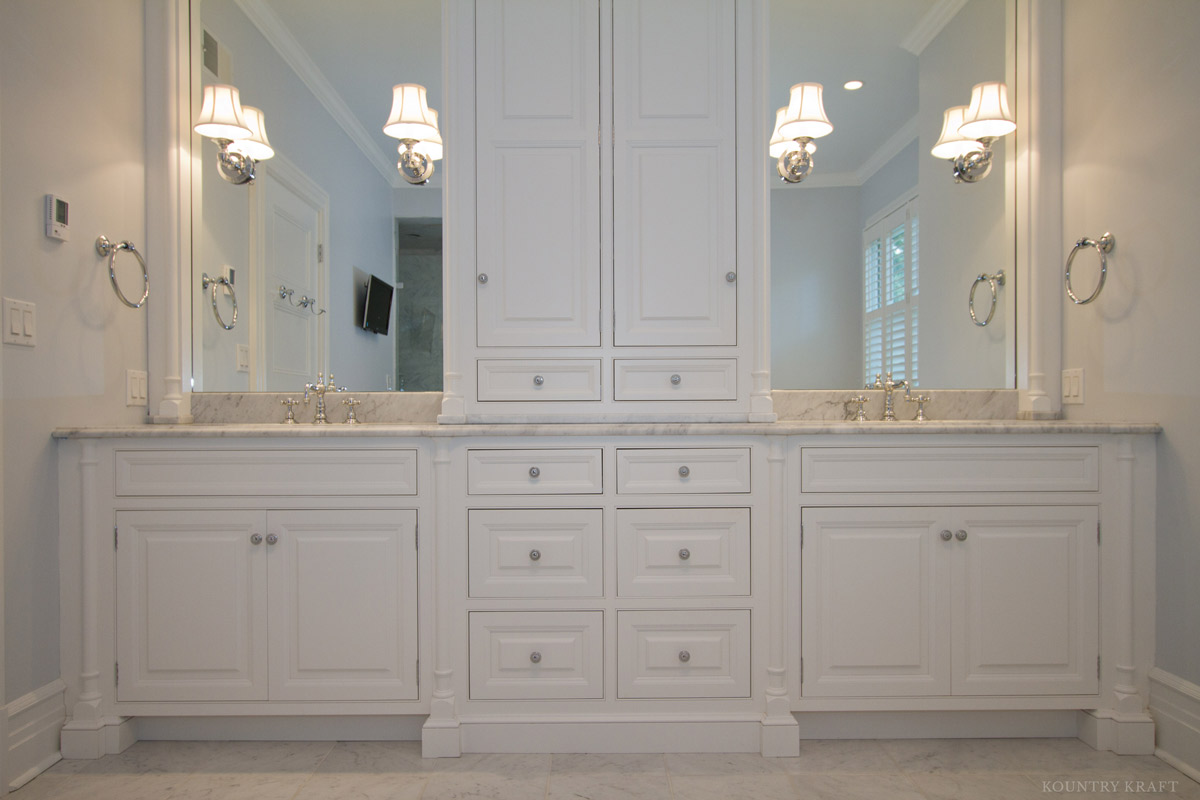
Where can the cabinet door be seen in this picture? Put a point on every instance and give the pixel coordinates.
(343, 601)
(538, 176)
(876, 602)
(1026, 601)
(674, 181)
(191, 605)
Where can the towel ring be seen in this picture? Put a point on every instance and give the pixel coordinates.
(992, 281)
(106, 248)
(207, 282)
(1103, 246)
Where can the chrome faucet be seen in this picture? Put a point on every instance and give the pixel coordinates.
(319, 389)
(888, 386)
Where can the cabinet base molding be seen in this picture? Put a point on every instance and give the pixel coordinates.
(939, 724)
(1124, 734)
(32, 730)
(698, 736)
(405, 728)
(96, 738)
(1175, 706)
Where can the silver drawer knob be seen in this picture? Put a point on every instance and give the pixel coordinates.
(534, 555)
(482, 278)
(947, 536)
(676, 380)
(684, 472)
(256, 538)
(731, 276)
(272, 538)
(534, 472)
(685, 656)
(538, 380)
(535, 657)
(960, 535)
(685, 554)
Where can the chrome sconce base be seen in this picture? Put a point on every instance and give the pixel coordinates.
(414, 167)
(976, 165)
(234, 167)
(796, 165)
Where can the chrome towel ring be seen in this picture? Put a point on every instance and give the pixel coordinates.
(992, 282)
(1103, 246)
(207, 282)
(110, 249)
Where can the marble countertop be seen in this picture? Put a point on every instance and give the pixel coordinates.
(431, 430)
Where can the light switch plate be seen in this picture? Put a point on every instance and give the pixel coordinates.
(135, 387)
(243, 358)
(1072, 386)
(20, 322)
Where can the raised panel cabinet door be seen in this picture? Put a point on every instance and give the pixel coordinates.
(1026, 600)
(343, 604)
(538, 174)
(674, 180)
(875, 603)
(191, 605)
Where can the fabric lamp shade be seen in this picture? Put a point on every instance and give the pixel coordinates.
(951, 144)
(778, 145)
(988, 115)
(805, 115)
(431, 146)
(255, 145)
(410, 117)
(221, 114)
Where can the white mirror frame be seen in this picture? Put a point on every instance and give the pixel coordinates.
(169, 168)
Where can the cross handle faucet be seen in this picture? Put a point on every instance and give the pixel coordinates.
(888, 386)
(319, 389)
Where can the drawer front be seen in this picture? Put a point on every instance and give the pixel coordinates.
(683, 552)
(158, 473)
(667, 379)
(684, 471)
(543, 552)
(683, 653)
(950, 469)
(536, 655)
(534, 472)
(516, 380)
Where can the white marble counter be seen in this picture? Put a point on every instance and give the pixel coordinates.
(428, 430)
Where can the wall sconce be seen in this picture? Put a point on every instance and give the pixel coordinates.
(802, 120)
(416, 126)
(968, 131)
(239, 131)
(779, 145)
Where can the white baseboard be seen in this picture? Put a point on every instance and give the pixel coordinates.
(34, 723)
(294, 729)
(1175, 706)
(482, 736)
(937, 724)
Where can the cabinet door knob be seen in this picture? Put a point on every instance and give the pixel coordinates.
(272, 538)
(947, 536)
(482, 277)
(731, 276)
(534, 472)
(684, 472)
(685, 656)
(534, 555)
(960, 535)
(685, 554)
(538, 380)
(535, 657)
(256, 538)
(676, 380)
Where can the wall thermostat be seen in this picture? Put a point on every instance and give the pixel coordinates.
(57, 218)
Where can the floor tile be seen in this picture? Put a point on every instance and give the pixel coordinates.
(977, 786)
(363, 786)
(689, 764)
(605, 763)
(855, 787)
(483, 786)
(849, 756)
(760, 786)
(609, 786)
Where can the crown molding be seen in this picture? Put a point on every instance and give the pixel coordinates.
(930, 25)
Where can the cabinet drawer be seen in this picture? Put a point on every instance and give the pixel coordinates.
(518, 655)
(510, 379)
(534, 472)
(949, 469)
(684, 471)
(543, 552)
(683, 552)
(155, 473)
(683, 653)
(687, 379)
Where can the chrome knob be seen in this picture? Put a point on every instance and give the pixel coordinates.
(960, 535)
(676, 380)
(684, 472)
(685, 656)
(947, 536)
(534, 555)
(272, 538)
(685, 554)
(538, 380)
(731, 276)
(535, 657)
(482, 277)
(534, 472)
(256, 538)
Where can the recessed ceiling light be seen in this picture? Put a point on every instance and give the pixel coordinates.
(851, 86)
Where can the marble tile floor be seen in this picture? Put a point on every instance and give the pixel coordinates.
(905, 769)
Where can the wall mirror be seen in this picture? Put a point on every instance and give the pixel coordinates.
(330, 210)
